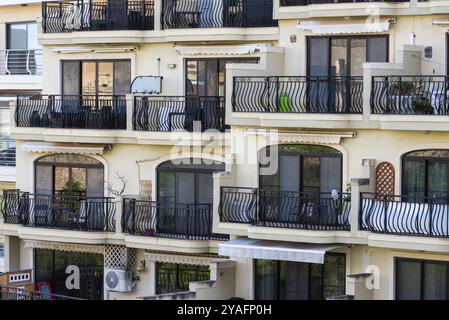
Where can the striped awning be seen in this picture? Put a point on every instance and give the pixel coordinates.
(70, 247)
(344, 28)
(49, 147)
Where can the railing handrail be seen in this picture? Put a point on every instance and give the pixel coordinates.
(290, 3)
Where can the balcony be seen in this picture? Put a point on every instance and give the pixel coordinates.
(20, 293)
(178, 113)
(181, 14)
(298, 94)
(65, 212)
(410, 95)
(84, 15)
(401, 215)
(278, 209)
(288, 3)
(168, 220)
(20, 62)
(71, 112)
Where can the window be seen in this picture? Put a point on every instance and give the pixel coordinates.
(172, 277)
(22, 35)
(206, 77)
(96, 77)
(344, 56)
(73, 175)
(421, 279)
(305, 168)
(285, 280)
(187, 182)
(425, 175)
(50, 266)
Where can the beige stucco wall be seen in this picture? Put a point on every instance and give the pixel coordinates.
(17, 14)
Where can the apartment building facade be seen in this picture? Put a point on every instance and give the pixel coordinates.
(220, 149)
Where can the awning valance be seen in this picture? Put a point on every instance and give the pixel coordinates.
(181, 259)
(344, 28)
(276, 250)
(48, 147)
(219, 50)
(70, 247)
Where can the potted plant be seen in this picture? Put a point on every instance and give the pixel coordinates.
(404, 88)
(422, 105)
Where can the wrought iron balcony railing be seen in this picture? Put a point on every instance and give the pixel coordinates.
(71, 112)
(20, 62)
(278, 209)
(168, 220)
(19, 293)
(288, 3)
(300, 94)
(153, 113)
(88, 15)
(410, 95)
(64, 212)
(179, 14)
(402, 215)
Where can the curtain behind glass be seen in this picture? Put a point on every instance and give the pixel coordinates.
(438, 175)
(414, 180)
(408, 280)
(266, 279)
(294, 281)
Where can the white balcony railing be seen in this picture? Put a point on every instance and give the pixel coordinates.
(20, 62)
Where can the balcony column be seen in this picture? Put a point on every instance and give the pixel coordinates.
(157, 14)
(12, 254)
(359, 185)
(118, 214)
(129, 112)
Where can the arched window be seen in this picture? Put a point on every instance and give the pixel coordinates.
(304, 168)
(425, 173)
(187, 181)
(75, 175)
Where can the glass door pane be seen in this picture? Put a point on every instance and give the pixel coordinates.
(377, 49)
(212, 78)
(358, 56)
(408, 280)
(89, 79)
(185, 187)
(311, 174)
(192, 78)
(70, 78)
(339, 57)
(294, 280)
(334, 275)
(105, 78)
(266, 279)
(435, 281)
(414, 180)
(438, 175)
(167, 187)
(330, 174)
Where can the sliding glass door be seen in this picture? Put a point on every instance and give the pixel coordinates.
(338, 59)
(285, 280)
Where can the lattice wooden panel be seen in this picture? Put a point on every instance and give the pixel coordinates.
(385, 176)
(146, 188)
(119, 257)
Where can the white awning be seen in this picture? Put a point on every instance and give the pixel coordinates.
(49, 147)
(70, 247)
(219, 50)
(346, 28)
(276, 250)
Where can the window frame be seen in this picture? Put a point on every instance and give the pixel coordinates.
(348, 49)
(426, 160)
(96, 61)
(422, 263)
(8, 33)
(278, 276)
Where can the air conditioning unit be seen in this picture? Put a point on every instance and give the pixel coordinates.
(118, 280)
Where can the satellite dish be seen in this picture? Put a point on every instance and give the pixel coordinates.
(147, 85)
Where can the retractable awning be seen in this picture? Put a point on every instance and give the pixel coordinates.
(276, 250)
(49, 147)
(347, 28)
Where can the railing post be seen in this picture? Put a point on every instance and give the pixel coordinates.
(385, 199)
(277, 95)
(130, 102)
(431, 215)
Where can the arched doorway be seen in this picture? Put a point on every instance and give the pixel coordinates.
(69, 175)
